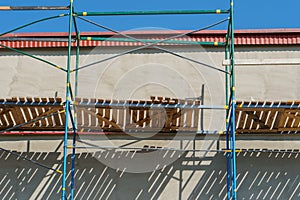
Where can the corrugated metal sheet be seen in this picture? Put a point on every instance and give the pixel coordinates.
(242, 37)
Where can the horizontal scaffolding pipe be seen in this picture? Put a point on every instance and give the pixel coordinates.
(292, 151)
(29, 104)
(34, 8)
(146, 105)
(34, 39)
(156, 12)
(244, 107)
(256, 62)
(152, 41)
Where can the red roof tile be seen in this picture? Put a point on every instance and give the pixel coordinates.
(242, 37)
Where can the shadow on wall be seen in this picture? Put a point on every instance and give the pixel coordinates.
(192, 176)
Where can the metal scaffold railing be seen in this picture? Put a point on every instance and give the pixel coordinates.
(71, 93)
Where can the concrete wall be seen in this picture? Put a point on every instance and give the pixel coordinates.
(140, 75)
(188, 176)
(200, 175)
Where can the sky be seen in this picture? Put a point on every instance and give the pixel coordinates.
(249, 14)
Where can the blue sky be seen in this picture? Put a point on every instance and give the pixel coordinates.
(249, 14)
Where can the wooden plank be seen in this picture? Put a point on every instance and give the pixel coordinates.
(93, 117)
(168, 115)
(47, 108)
(121, 115)
(168, 119)
(9, 118)
(49, 112)
(241, 123)
(40, 113)
(270, 118)
(58, 100)
(50, 119)
(264, 117)
(182, 111)
(106, 116)
(256, 122)
(152, 98)
(18, 115)
(57, 120)
(33, 113)
(248, 120)
(141, 114)
(62, 116)
(16, 112)
(237, 114)
(297, 120)
(127, 116)
(280, 119)
(147, 117)
(2, 119)
(160, 99)
(290, 118)
(175, 121)
(108, 123)
(85, 116)
(100, 111)
(153, 113)
(114, 114)
(189, 114)
(196, 115)
(134, 115)
(289, 129)
(79, 111)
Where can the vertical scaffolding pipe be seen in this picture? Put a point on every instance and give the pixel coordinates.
(77, 63)
(72, 191)
(67, 106)
(233, 123)
(75, 116)
(228, 155)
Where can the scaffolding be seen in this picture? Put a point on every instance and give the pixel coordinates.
(67, 108)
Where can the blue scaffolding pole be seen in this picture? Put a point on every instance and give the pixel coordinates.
(67, 104)
(231, 113)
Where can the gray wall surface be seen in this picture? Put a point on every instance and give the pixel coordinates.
(200, 175)
(138, 76)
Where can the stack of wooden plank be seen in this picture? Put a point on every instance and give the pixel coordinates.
(268, 117)
(159, 114)
(32, 114)
(137, 115)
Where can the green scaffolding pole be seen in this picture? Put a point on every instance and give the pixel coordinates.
(215, 43)
(32, 56)
(74, 119)
(34, 22)
(67, 105)
(232, 142)
(228, 116)
(22, 8)
(158, 12)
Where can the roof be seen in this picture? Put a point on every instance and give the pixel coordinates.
(242, 37)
